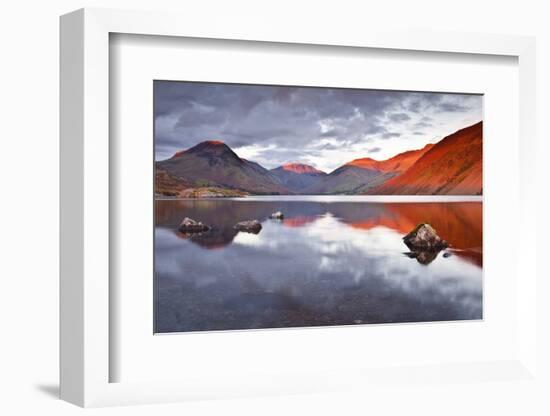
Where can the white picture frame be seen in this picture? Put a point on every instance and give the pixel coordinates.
(85, 204)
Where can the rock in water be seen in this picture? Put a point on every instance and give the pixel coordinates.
(422, 256)
(424, 237)
(253, 226)
(277, 215)
(189, 225)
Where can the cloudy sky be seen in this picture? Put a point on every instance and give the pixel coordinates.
(323, 127)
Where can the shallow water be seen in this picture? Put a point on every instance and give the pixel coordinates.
(331, 261)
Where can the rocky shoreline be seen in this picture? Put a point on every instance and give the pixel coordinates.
(199, 193)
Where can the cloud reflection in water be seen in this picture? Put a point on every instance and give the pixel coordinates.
(325, 271)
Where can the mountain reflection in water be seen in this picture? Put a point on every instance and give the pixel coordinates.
(326, 263)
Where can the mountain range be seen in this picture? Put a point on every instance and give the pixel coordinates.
(452, 166)
(298, 177)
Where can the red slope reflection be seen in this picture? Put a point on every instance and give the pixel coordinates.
(460, 223)
(300, 221)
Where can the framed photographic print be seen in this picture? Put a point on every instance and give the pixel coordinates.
(264, 212)
(292, 219)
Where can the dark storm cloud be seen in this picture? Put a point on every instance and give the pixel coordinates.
(286, 120)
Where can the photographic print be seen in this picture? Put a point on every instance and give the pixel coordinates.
(288, 206)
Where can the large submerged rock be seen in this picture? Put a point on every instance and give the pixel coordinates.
(424, 238)
(252, 226)
(189, 225)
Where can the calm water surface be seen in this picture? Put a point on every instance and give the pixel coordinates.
(329, 262)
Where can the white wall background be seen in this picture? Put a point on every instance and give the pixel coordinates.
(29, 208)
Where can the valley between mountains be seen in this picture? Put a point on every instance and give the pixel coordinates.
(452, 166)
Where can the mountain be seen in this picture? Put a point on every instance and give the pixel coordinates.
(297, 176)
(453, 166)
(362, 175)
(344, 180)
(213, 164)
(167, 184)
(398, 164)
(300, 168)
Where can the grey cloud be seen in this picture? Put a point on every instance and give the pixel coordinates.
(413, 106)
(195, 117)
(374, 150)
(399, 117)
(284, 118)
(328, 146)
(335, 132)
(390, 135)
(452, 107)
(440, 102)
(375, 128)
(424, 123)
(277, 157)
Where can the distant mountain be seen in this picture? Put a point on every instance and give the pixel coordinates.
(344, 180)
(300, 168)
(213, 163)
(298, 176)
(453, 166)
(362, 175)
(397, 164)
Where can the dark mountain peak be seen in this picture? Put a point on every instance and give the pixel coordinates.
(212, 163)
(209, 145)
(208, 148)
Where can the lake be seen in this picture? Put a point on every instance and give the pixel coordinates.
(331, 261)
